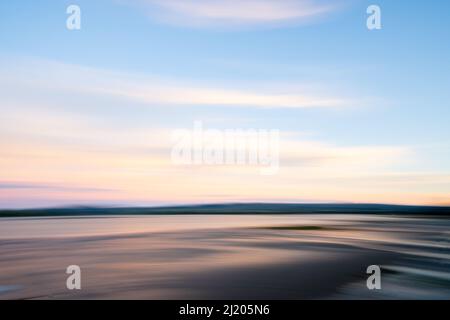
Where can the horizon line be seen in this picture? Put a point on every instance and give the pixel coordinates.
(193, 205)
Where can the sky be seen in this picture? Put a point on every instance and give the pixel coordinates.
(87, 115)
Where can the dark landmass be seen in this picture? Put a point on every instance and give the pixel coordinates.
(236, 208)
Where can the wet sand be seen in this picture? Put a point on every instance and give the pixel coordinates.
(224, 257)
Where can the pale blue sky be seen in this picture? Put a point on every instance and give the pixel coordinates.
(393, 83)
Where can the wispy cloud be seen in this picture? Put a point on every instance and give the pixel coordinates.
(75, 150)
(155, 91)
(231, 13)
(137, 164)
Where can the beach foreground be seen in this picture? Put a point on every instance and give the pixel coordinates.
(225, 257)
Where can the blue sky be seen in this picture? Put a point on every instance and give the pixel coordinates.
(391, 84)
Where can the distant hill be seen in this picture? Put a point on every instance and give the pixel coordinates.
(235, 208)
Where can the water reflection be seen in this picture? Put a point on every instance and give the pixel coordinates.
(225, 257)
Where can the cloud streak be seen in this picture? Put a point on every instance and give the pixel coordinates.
(137, 165)
(51, 149)
(154, 91)
(232, 13)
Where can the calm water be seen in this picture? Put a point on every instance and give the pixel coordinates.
(225, 257)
